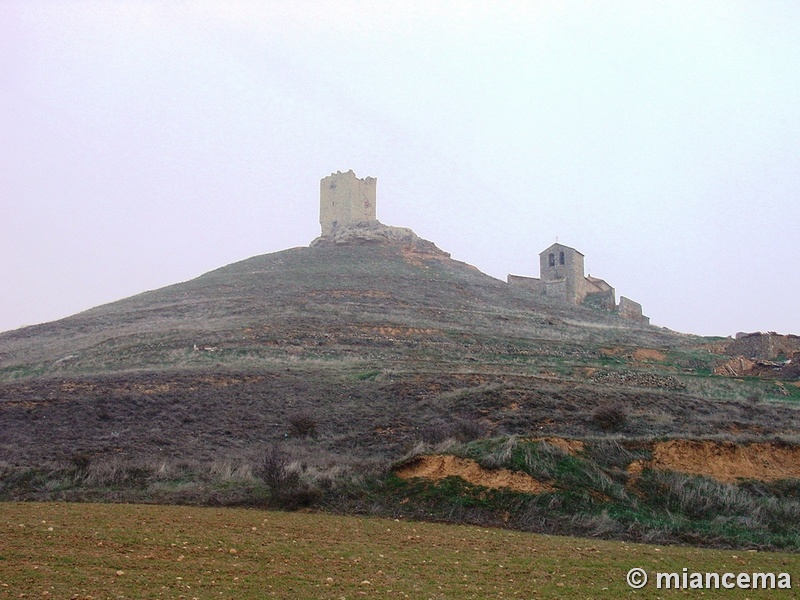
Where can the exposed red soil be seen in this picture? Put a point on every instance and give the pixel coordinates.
(435, 467)
(725, 461)
(649, 355)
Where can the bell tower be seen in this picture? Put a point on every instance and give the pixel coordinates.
(561, 270)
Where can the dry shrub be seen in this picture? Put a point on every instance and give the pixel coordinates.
(610, 418)
(461, 430)
(303, 424)
(288, 490)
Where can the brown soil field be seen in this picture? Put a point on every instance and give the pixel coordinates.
(80, 551)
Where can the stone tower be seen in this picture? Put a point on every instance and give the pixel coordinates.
(345, 200)
(561, 273)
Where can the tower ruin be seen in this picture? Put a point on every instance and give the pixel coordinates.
(344, 200)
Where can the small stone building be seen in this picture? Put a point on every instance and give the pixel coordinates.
(562, 278)
(345, 200)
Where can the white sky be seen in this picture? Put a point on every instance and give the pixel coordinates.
(145, 143)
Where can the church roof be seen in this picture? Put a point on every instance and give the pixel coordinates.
(558, 248)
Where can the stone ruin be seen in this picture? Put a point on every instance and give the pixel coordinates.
(562, 279)
(344, 200)
(767, 346)
(759, 354)
(347, 215)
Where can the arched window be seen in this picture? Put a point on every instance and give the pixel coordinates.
(552, 260)
(561, 258)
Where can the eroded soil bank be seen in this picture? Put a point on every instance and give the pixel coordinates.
(726, 462)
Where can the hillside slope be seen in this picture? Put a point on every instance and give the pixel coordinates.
(388, 335)
(338, 363)
(388, 301)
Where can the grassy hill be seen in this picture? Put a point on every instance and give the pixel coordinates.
(358, 302)
(345, 361)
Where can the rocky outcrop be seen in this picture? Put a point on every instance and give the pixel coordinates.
(375, 232)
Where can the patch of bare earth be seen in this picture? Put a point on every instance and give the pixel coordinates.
(725, 461)
(649, 355)
(610, 352)
(439, 466)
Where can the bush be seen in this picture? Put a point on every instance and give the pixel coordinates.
(696, 497)
(303, 424)
(461, 430)
(610, 418)
(610, 454)
(274, 469)
(284, 482)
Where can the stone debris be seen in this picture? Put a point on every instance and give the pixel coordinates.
(638, 379)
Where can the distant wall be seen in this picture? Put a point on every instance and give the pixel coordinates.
(527, 282)
(604, 300)
(764, 345)
(628, 309)
(344, 199)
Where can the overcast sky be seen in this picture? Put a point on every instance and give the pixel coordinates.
(145, 143)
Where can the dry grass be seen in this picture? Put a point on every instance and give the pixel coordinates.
(129, 551)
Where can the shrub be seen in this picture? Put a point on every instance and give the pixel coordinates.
(501, 455)
(610, 454)
(303, 424)
(81, 461)
(284, 482)
(461, 430)
(610, 418)
(542, 460)
(274, 469)
(697, 497)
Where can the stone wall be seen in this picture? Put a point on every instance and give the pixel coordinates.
(531, 283)
(767, 346)
(628, 309)
(604, 300)
(344, 199)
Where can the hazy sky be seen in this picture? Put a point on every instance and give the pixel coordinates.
(145, 143)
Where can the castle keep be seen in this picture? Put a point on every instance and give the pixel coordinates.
(561, 278)
(345, 200)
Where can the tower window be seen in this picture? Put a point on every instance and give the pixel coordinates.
(551, 260)
(561, 258)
